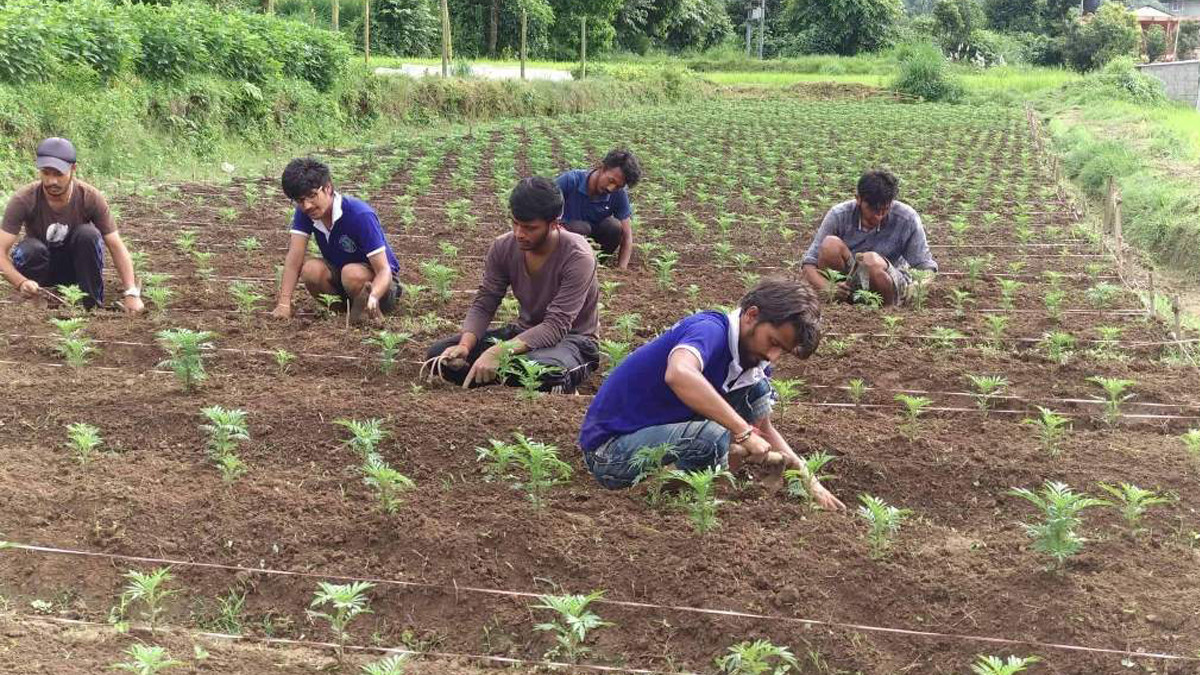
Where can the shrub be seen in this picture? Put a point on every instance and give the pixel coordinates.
(1111, 32)
(26, 47)
(1156, 43)
(923, 73)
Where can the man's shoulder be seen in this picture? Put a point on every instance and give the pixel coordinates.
(355, 207)
(706, 321)
(905, 212)
(570, 178)
(576, 244)
(843, 212)
(26, 195)
(87, 189)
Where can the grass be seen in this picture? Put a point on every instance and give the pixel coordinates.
(397, 61)
(777, 79)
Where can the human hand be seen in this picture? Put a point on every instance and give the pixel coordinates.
(823, 498)
(29, 288)
(373, 310)
(842, 294)
(282, 311)
(132, 305)
(484, 369)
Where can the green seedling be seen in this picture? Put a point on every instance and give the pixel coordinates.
(1191, 441)
(891, 328)
(958, 228)
(994, 665)
(439, 278)
(532, 375)
(692, 291)
(1114, 390)
(328, 301)
(1008, 292)
(245, 297)
(722, 251)
(987, 389)
(997, 324)
(148, 589)
(229, 617)
(943, 338)
(83, 439)
(1016, 267)
(699, 499)
(1053, 300)
(883, 522)
(664, 269)
(183, 347)
(387, 482)
(147, 660)
(1133, 502)
(543, 470)
(346, 602)
(249, 244)
(226, 429)
(614, 353)
(868, 299)
(760, 657)
(572, 625)
(498, 458)
(798, 480)
(76, 350)
(1053, 279)
(749, 280)
(959, 299)
(914, 407)
(365, 436)
(396, 664)
(608, 289)
(742, 260)
(1094, 270)
(283, 359)
(159, 296)
(976, 266)
(68, 328)
(1058, 346)
(1102, 294)
(389, 344)
(1057, 534)
(447, 249)
(921, 281)
(832, 279)
(203, 260)
(857, 388)
(1051, 428)
(627, 326)
(788, 391)
(72, 296)
(1106, 345)
(840, 346)
(185, 241)
(651, 464)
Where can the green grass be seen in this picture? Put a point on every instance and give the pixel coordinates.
(396, 62)
(1016, 80)
(774, 79)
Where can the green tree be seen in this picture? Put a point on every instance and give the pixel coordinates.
(1016, 15)
(1094, 41)
(1189, 39)
(1156, 43)
(957, 20)
(674, 25)
(844, 27)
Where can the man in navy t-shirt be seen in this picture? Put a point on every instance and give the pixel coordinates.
(356, 262)
(596, 203)
(703, 388)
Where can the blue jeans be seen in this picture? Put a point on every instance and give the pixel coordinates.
(696, 444)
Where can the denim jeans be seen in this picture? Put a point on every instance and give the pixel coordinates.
(696, 444)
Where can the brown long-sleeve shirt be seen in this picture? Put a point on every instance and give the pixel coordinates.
(558, 300)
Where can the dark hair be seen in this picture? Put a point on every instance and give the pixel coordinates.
(303, 175)
(627, 163)
(781, 301)
(878, 188)
(536, 198)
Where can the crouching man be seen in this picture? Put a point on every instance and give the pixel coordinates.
(703, 387)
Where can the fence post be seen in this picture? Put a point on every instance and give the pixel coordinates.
(336, 10)
(583, 47)
(445, 39)
(524, 33)
(1177, 310)
(1152, 310)
(367, 31)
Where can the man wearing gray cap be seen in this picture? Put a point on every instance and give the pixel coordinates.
(65, 221)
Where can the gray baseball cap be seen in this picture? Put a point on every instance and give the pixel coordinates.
(56, 153)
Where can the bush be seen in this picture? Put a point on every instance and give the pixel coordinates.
(1189, 39)
(1093, 41)
(1119, 80)
(1156, 43)
(844, 27)
(26, 41)
(95, 34)
(925, 74)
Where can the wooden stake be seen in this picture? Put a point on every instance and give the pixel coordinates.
(367, 30)
(524, 34)
(336, 10)
(1177, 310)
(445, 39)
(1152, 310)
(583, 47)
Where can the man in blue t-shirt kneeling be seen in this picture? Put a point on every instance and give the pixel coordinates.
(356, 263)
(596, 204)
(703, 387)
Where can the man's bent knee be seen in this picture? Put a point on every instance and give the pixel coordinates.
(355, 276)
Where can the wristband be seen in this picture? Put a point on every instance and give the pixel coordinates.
(744, 436)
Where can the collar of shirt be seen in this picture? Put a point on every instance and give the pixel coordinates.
(858, 221)
(737, 377)
(337, 215)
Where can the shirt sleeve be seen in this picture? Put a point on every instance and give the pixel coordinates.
(15, 215)
(576, 277)
(301, 224)
(916, 252)
(490, 293)
(369, 235)
(622, 209)
(828, 227)
(99, 213)
(705, 339)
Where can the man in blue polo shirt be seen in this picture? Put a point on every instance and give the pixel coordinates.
(703, 387)
(356, 262)
(596, 203)
(874, 240)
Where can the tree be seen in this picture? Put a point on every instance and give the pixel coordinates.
(1026, 16)
(957, 20)
(1156, 43)
(844, 27)
(674, 25)
(1189, 39)
(1093, 41)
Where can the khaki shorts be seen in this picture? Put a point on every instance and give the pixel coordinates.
(902, 283)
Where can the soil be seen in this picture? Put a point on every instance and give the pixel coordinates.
(961, 565)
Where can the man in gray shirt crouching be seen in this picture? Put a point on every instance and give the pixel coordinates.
(873, 241)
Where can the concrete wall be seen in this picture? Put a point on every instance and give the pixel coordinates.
(1182, 79)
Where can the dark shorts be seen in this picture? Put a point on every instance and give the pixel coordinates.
(386, 304)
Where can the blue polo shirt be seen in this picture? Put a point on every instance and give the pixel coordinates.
(635, 395)
(355, 236)
(579, 205)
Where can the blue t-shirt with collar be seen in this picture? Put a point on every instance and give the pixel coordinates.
(635, 395)
(355, 236)
(579, 205)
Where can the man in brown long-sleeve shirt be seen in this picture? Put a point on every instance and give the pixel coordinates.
(552, 273)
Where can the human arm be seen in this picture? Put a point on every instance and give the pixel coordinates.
(27, 287)
(916, 251)
(625, 252)
(685, 377)
(791, 460)
(124, 264)
(292, 262)
(380, 282)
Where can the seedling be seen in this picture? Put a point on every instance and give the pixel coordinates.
(993, 665)
(439, 277)
(987, 389)
(346, 601)
(608, 288)
(891, 328)
(84, 439)
(883, 521)
(365, 436)
(650, 462)
(389, 344)
(914, 407)
(283, 359)
(664, 269)
(147, 660)
(627, 325)
(1191, 441)
(72, 296)
(798, 480)
(1106, 346)
(722, 251)
(1058, 345)
(857, 389)
(1056, 536)
(183, 346)
(960, 299)
(249, 244)
(1114, 389)
(76, 350)
(975, 266)
(1053, 278)
(742, 260)
(699, 500)
(868, 299)
(226, 429)
(448, 250)
(328, 301)
(150, 590)
(751, 279)
(395, 664)
(1053, 300)
(788, 390)
(693, 294)
(69, 327)
(1008, 291)
(757, 658)
(499, 457)
(944, 338)
(1133, 502)
(614, 352)
(996, 325)
(543, 469)
(159, 296)
(572, 625)
(1051, 428)
(245, 297)
(1102, 294)
(832, 279)
(203, 260)
(387, 482)
(921, 279)
(533, 375)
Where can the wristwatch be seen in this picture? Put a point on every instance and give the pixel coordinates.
(133, 292)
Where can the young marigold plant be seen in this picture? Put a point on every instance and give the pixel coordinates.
(1102, 294)
(1191, 441)
(1008, 291)
(345, 602)
(387, 482)
(245, 297)
(1057, 534)
(857, 388)
(159, 296)
(439, 278)
(365, 436)
(1133, 502)
(72, 296)
(148, 589)
(943, 338)
(757, 658)
(84, 440)
(699, 498)
(283, 360)
(883, 522)
(987, 389)
(1051, 429)
(891, 328)
(543, 469)
(572, 625)
(867, 299)
(921, 280)
(184, 347)
(76, 349)
(975, 266)
(959, 299)
(389, 345)
(614, 353)
(226, 429)
(651, 464)
(1114, 390)
(788, 391)
(627, 325)
(664, 269)
(832, 279)
(147, 660)
(532, 374)
(69, 327)
(1058, 346)
(798, 480)
(395, 664)
(997, 324)
(994, 665)
(328, 301)
(1053, 300)
(914, 407)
